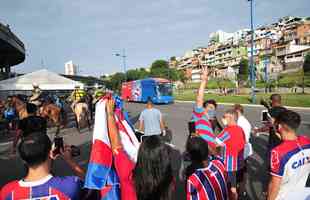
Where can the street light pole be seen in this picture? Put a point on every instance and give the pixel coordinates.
(252, 76)
(123, 55)
(124, 64)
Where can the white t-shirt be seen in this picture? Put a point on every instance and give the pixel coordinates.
(246, 127)
(291, 161)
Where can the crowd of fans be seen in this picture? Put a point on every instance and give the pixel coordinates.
(217, 157)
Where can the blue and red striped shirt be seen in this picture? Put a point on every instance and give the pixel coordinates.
(52, 188)
(203, 126)
(208, 183)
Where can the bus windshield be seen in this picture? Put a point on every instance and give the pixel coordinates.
(165, 89)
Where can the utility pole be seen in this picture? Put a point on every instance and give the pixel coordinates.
(252, 75)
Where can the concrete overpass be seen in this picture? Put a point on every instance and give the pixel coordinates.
(12, 50)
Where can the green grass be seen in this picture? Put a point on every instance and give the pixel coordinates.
(212, 84)
(298, 100)
(290, 80)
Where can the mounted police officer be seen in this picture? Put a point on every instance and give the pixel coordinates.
(36, 95)
(77, 96)
(99, 92)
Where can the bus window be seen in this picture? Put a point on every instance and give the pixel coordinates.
(165, 89)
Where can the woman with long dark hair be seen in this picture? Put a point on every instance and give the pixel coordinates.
(206, 178)
(153, 176)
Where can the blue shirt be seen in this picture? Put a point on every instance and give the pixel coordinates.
(151, 120)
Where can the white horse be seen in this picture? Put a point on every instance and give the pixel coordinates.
(82, 115)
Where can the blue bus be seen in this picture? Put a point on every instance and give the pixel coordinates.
(158, 89)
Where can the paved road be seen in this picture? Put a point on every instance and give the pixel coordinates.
(176, 116)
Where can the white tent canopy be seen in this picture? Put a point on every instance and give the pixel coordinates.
(46, 80)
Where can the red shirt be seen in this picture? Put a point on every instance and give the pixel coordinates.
(124, 167)
(234, 140)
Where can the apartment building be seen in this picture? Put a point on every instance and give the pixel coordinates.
(303, 33)
(279, 46)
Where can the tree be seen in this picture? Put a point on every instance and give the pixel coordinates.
(160, 69)
(243, 74)
(143, 73)
(306, 70)
(306, 65)
(114, 81)
(159, 64)
(133, 74)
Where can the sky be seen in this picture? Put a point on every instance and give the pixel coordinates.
(90, 32)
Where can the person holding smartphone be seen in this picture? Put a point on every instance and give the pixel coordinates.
(37, 153)
(273, 112)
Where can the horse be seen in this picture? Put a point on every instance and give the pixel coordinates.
(53, 114)
(20, 107)
(48, 110)
(82, 115)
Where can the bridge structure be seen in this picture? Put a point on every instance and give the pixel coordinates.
(12, 50)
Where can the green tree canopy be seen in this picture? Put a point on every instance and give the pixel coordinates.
(160, 69)
(136, 74)
(143, 73)
(159, 64)
(132, 74)
(243, 74)
(173, 58)
(114, 81)
(306, 65)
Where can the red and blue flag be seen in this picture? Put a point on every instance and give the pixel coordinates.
(101, 174)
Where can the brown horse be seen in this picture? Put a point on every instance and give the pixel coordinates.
(53, 114)
(48, 110)
(20, 107)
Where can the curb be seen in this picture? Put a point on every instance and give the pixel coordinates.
(248, 105)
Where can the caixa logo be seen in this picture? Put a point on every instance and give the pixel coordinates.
(301, 162)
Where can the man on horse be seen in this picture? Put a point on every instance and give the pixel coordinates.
(80, 107)
(77, 96)
(36, 95)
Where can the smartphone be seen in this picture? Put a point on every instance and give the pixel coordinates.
(59, 145)
(265, 116)
(191, 127)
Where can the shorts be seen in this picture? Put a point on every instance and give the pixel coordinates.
(235, 177)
